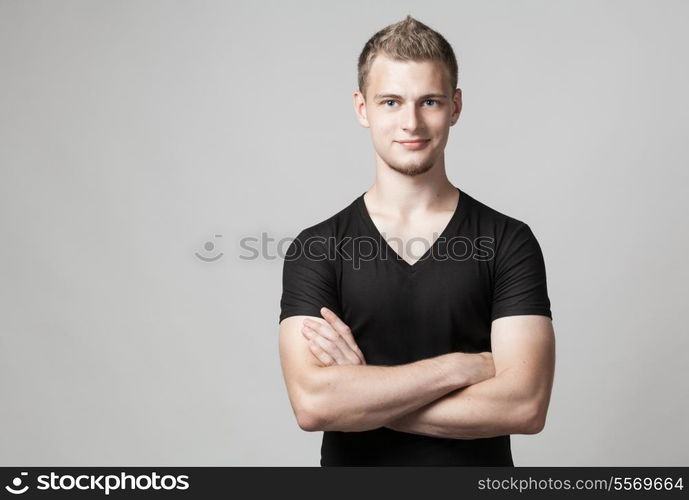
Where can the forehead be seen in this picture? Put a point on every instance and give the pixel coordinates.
(400, 77)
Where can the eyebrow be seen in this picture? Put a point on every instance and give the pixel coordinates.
(396, 96)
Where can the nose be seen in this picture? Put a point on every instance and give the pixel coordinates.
(410, 119)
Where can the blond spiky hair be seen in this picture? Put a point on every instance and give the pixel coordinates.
(407, 40)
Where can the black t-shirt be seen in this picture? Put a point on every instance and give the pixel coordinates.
(484, 265)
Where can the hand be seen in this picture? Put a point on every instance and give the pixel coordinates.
(332, 342)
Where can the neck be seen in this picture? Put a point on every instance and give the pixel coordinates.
(399, 195)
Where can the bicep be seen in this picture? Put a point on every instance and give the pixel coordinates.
(297, 361)
(523, 348)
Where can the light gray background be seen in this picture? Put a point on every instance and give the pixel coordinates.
(133, 132)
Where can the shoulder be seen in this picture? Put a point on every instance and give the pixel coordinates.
(507, 234)
(334, 225)
(322, 238)
(496, 221)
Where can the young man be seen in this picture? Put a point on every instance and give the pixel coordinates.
(431, 345)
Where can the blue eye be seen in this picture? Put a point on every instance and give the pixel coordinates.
(434, 101)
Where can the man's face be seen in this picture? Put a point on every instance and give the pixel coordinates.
(407, 100)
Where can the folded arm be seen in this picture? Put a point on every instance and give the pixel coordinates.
(514, 401)
(361, 397)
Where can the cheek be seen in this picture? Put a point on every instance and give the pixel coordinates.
(387, 130)
(384, 132)
(439, 120)
(440, 128)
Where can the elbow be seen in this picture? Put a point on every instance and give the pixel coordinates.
(532, 421)
(534, 426)
(309, 417)
(315, 411)
(308, 422)
(305, 403)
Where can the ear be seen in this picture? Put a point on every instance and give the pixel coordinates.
(360, 108)
(456, 106)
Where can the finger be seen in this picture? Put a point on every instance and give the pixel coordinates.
(361, 356)
(339, 326)
(322, 356)
(340, 350)
(344, 350)
(342, 356)
(326, 345)
(307, 332)
(334, 319)
(343, 329)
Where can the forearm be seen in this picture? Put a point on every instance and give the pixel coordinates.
(364, 397)
(493, 407)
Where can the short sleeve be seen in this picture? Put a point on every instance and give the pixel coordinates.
(520, 280)
(309, 281)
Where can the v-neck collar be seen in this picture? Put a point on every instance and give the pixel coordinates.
(457, 216)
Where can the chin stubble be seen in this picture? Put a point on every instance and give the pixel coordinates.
(414, 170)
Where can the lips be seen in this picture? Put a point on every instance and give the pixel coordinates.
(416, 144)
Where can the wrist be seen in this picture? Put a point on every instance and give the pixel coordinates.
(472, 368)
(458, 369)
